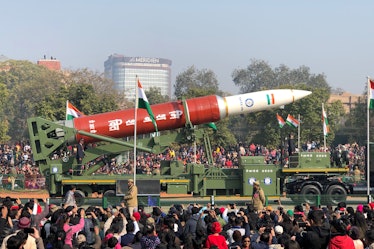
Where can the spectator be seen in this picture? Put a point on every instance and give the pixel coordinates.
(215, 238)
(339, 238)
(317, 235)
(70, 198)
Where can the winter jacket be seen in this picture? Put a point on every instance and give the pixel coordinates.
(315, 237)
(191, 224)
(341, 242)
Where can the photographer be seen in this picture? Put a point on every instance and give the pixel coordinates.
(317, 232)
(117, 223)
(90, 221)
(30, 234)
(5, 223)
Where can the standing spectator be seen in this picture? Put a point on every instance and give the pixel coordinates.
(70, 198)
(317, 235)
(339, 238)
(258, 197)
(70, 230)
(12, 175)
(131, 197)
(216, 238)
(150, 240)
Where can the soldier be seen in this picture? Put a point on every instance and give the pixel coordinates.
(131, 196)
(258, 197)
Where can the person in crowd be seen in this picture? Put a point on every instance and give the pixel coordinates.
(70, 198)
(70, 230)
(150, 240)
(339, 237)
(215, 238)
(317, 235)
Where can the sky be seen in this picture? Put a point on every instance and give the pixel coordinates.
(334, 38)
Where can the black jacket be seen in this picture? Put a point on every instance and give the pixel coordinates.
(315, 237)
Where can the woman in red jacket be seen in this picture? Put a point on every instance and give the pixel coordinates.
(339, 237)
(216, 238)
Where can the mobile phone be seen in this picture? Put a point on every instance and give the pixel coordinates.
(40, 200)
(28, 230)
(301, 224)
(276, 201)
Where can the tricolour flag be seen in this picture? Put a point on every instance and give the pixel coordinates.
(325, 122)
(144, 104)
(72, 112)
(280, 121)
(212, 125)
(292, 121)
(371, 93)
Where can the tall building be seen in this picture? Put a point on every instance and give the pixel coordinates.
(152, 72)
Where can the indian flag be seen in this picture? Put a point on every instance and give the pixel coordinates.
(72, 112)
(371, 94)
(144, 104)
(325, 122)
(280, 121)
(292, 121)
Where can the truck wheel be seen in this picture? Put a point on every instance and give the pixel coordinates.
(109, 193)
(79, 197)
(309, 194)
(335, 194)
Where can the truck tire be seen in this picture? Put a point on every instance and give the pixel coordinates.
(309, 194)
(336, 194)
(110, 193)
(79, 197)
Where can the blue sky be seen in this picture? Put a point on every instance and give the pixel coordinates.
(334, 37)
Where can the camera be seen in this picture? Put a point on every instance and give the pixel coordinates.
(301, 224)
(232, 205)
(28, 230)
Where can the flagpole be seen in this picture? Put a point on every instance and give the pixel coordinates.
(298, 134)
(368, 140)
(135, 125)
(67, 106)
(323, 127)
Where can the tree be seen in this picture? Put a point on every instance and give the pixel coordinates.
(154, 96)
(195, 83)
(37, 91)
(259, 75)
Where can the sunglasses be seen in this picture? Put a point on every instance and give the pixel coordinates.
(246, 241)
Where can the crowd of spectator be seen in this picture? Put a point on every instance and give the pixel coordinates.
(38, 225)
(20, 157)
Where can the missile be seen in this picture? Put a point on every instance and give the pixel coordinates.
(171, 115)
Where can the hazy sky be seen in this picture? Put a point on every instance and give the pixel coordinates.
(333, 37)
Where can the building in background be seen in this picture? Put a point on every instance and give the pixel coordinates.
(153, 72)
(348, 100)
(51, 64)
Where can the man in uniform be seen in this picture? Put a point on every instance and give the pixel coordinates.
(258, 197)
(131, 197)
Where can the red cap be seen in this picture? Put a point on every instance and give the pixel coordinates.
(14, 208)
(136, 216)
(371, 204)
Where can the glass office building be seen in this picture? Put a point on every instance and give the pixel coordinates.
(152, 72)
